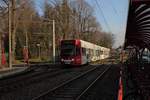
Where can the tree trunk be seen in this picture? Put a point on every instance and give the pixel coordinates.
(13, 29)
(0, 49)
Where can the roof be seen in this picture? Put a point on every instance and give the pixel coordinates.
(138, 24)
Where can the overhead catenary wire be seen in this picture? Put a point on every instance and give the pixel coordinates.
(4, 6)
(103, 16)
(113, 8)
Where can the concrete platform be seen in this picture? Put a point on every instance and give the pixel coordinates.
(8, 72)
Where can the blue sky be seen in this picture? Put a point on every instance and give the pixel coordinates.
(114, 12)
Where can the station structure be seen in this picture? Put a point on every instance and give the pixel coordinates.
(136, 76)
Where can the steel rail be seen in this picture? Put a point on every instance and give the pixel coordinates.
(100, 76)
(65, 83)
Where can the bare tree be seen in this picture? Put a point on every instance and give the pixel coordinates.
(75, 20)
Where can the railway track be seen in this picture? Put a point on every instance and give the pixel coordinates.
(75, 88)
(103, 88)
(27, 91)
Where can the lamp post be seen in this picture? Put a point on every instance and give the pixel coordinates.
(54, 41)
(54, 53)
(10, 35)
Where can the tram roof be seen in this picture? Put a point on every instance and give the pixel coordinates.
(138, 24)
(89, 45)
(92, 46)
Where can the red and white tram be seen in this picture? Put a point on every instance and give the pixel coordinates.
(79, 52)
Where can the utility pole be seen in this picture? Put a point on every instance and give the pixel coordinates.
(10, 21)
(13, 29)
(26, 40)
(11, 18)
(53, 37)
(54, 41)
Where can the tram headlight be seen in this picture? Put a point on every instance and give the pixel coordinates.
(72, 59)
(62, 59)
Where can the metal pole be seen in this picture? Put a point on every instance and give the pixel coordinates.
(26, 39)
(10, 43)
(39, 53)
(13, 33)
(54, 41)
(27, 47)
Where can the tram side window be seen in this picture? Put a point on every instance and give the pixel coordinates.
(83, 51)
(90, 52)
(94, 52)
(87, 51)
(101, 52)
(97, 52)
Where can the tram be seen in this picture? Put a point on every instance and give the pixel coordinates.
(79, 52)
